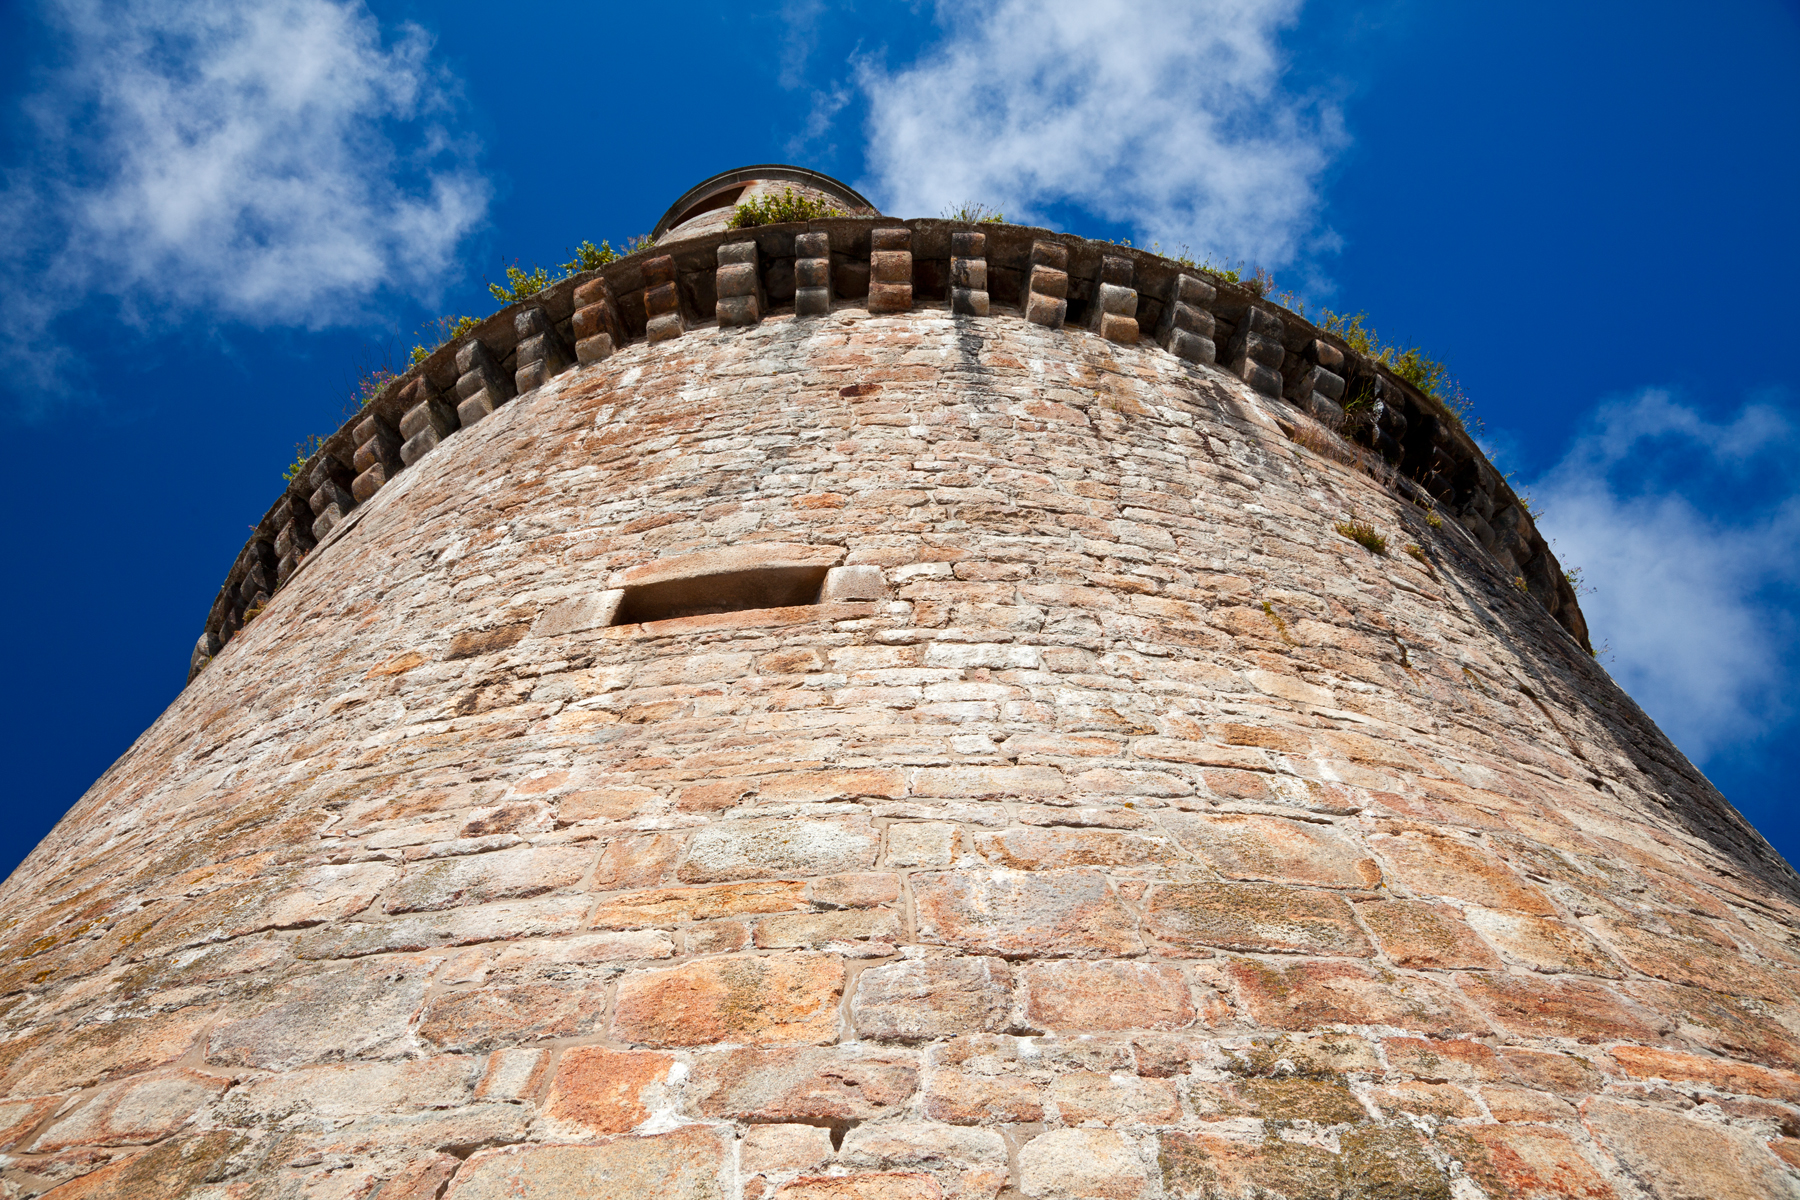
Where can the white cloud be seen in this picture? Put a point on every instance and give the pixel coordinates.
(1172, 119)
(264, 161)
(1693, 592)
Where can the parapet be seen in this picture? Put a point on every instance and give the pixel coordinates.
(724, 278)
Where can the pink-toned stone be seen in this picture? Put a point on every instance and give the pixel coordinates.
(1673, 1157)
(1532, 1006)
(140, 1109)
(786, 1000)
(1003, 911)
(963, 1098)
(1233, 916)
(1090, 1098)
(1311, 995)
(1541, 943)
(502, 1015)
(866, 1185)
(690, 1162)
(1074, 997)
(802, 1085)
(599, 1090)
(1456, 869)
(932, 997)
(1067, 1163)
(1416, 933)
(674, 906)
(1275, 850)
(1529, 1163)
(759, 849)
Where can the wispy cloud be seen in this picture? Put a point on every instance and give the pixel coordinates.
(1174, 119)
(262, 161)
(1694, 560)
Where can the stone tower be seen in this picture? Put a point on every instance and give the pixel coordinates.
(888, 709)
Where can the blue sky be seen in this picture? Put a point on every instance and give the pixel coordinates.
(212, 214)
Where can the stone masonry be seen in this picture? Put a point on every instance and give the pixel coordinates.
(1108, 825)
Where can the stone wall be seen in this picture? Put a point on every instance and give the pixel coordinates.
(1416, 447)
(1111, 825)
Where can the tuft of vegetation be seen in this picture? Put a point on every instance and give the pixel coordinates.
(370, 384)
(971, 213)
(1519, 582)
(253, 612)
(1281, 626)
(1411, 364)
(1433, 520)
(302, 452)
(440, 331)
(789, 206)
(524, 283)
(1418, 553)
(1363, 534)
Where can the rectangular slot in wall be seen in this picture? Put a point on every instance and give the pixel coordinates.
(731, 591)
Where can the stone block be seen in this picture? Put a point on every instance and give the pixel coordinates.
(966, 1163)
(1065, 1164)
(759, 848)
(676, 906)
(866, 1185)
(738, 286)
(767, 1149)
(1076, 997)
(1259, 919)
(787, 1000)
(513, 874)
(932, 997)
(1311, 994)
(858, 583)
(1457, 869)
(360, 1011)
(963, 1098)
(140, 1109)
(921, 844)
(1674, 1157)
(503, 1015)
(1531, 1006)
(692, 1162)
(836, 1084)
(1415, 933)
(542, 353)
(1541, 943)
(600, 1090)
(862, 932)
(1223, 1168)
(1007, 912)
(513, 1075)
(1275, 850)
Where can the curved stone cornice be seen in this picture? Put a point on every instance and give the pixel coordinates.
(1413, 446)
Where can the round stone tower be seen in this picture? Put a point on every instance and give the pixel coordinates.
(889, 709)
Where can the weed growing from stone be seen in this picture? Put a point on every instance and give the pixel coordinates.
(971, 213)
(1419, 554)
(442, 330)
(1519, 582)
(1280, 625)
(1363, 534)
(1433, 520)
(779, 210)
(302, 452)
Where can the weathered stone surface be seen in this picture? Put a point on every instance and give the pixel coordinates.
(773, 1001)
(1275, 850)
(933, 997)
(1075, 997)
(1673, 1157)
(802, 1085)
(757, 849)
(598, 1090)
(1008, 912)
(505, 1015)
(690, 1162)
(1310, 995)
(1070, 1163)
(1191, 917)
(1415, 933)
(1167, 842)
(141, 1109)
